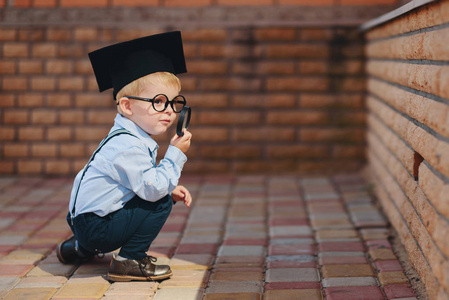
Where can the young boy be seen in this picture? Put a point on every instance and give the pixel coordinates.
(121, 199)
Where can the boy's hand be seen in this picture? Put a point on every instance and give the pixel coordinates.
(182, 142)
(180, 193)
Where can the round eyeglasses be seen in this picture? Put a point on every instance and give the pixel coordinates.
(160, 102)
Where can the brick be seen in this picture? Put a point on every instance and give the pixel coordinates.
(297, 151)
(43, 50)
(297, 118)
(43, 83)
(84, 67)
(315, 34)
(43, 116)
(43, 150)
(422, 75)
(83, 3)
(72, 83)
(16, 150)
(265, 134)
(204, 35)
(430, 47)
(8, 34)
(306, 3)
(211, 134)
(369, 2)
(234, 83)
(14, 83)
(207, 67)
(101, 117)
(312, 294)
(31, 134)
(54, 34)
(59, 67)
(332, 135)
(396, 277)
(245, 2)
(309, 100)
(292, 275)
(18, 50)
(226, 118)
(72, 150)
(257, 100)
(85, 34)
(230, 152)
(229, 51)
(59, 133)
(23, 293)
(31, 35)
(22, 3)
(354, 293)
(30, 67)
(84, 290)
(338, 260)
(58, 167)
(351, 270)
(314, 67)
(44, 3)
(180, 3)
(91, 134)
(237, 276)
(7, 134)
(134, 3)
(297, 84)
(59, 100)
(29, 167)
(297, 51)
(292, 286)
(7, 100)
(93, 100)
(193, 293)
(6, 167)
(16, 116)
(71, 116)
(230, 296)
(350, 281)
(275, 34)
(7, 67)
(395, 291)
(70, 51)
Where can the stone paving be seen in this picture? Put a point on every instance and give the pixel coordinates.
(246, 237)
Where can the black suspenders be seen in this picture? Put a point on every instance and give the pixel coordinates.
(110, 136)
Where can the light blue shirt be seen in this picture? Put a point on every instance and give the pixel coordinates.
(125, 167)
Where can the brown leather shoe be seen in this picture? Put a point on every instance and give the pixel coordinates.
(145, 269)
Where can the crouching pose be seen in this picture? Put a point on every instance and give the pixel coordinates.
(122, 198)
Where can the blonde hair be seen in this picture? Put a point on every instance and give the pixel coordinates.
(135, 87)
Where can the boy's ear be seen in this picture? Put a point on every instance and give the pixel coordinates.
(125, 106)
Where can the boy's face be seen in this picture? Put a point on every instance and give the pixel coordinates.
(144, 115)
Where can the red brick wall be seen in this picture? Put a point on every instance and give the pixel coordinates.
(408, 135)
(274, 88)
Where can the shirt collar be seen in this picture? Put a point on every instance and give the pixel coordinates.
(122, 122)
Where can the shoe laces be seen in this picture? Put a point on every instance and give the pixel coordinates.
(148, 260)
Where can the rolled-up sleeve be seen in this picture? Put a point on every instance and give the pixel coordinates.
(134, 169)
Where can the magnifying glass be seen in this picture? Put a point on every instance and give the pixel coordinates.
(184, 120)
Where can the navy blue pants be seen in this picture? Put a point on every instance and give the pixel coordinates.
(133, 228)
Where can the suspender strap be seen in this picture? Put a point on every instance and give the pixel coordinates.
(103, 142)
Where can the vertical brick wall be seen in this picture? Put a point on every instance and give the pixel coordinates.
(408, 134)
(273, 88)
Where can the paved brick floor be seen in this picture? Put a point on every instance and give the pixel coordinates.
(246, 237)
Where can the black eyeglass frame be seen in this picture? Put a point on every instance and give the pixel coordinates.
(169, 102)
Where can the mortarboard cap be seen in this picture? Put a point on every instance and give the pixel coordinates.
(117, 65)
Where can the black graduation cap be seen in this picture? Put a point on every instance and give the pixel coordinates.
(117, 65)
